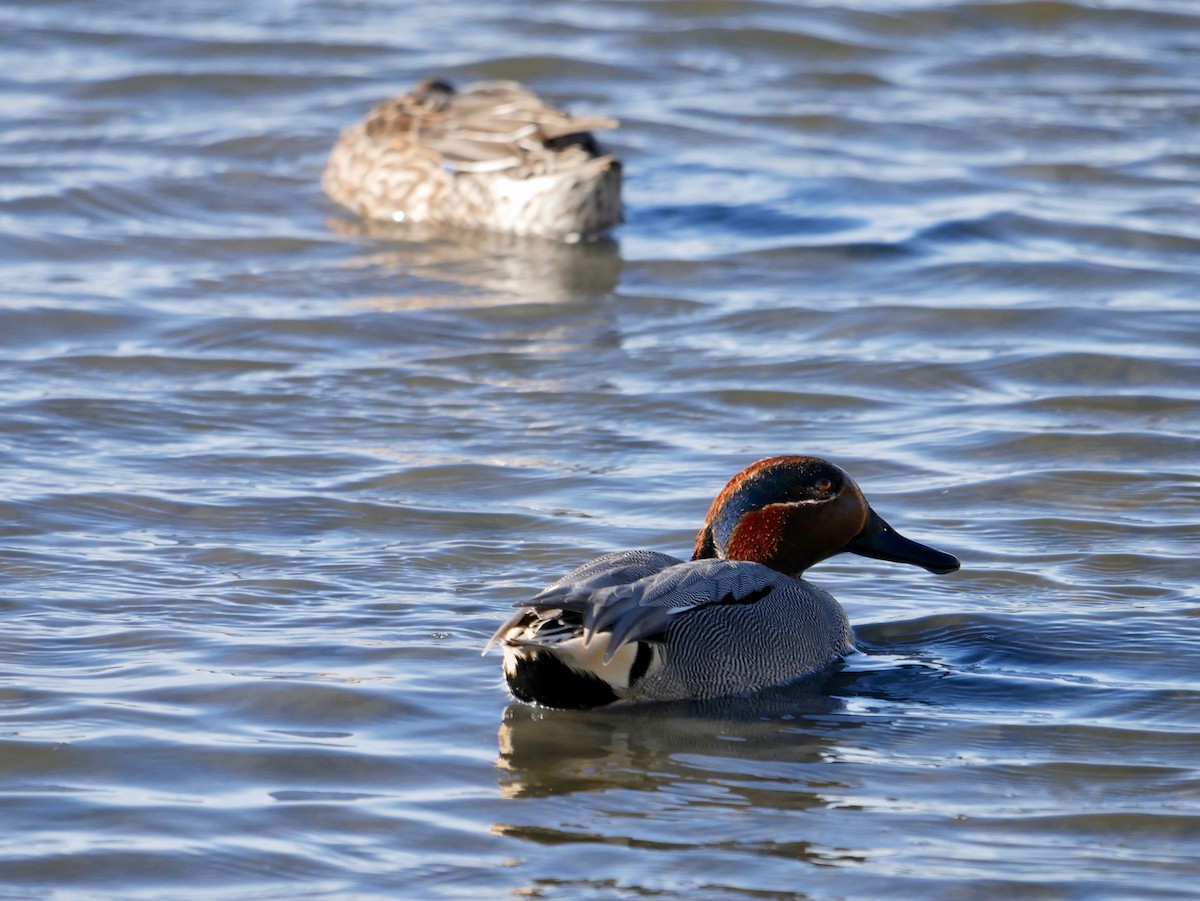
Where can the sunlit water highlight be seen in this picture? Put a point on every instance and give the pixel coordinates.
(272, 477)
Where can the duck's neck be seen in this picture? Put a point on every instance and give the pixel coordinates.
(760, 537)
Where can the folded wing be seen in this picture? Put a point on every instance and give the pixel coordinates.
(606, 571)
(643, 607)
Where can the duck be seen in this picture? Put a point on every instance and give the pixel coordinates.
(491, 155)
(639, 626)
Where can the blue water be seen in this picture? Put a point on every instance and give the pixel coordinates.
(271, 477)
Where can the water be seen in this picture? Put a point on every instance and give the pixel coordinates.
(271, 478)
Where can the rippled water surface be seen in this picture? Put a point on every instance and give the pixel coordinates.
(271, 478)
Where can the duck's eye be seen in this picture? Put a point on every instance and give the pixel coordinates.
(823, 485)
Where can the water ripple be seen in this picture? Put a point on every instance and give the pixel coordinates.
(273, 475)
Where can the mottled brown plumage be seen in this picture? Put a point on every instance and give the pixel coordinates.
(489, 156)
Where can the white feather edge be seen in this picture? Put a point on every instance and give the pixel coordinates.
(586, 657)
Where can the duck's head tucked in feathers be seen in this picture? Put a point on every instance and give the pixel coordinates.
(791, 512)
(491, 155)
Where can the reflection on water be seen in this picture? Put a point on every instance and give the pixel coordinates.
(483, 263)
(272, 476)
(649, 746)
(681, 765)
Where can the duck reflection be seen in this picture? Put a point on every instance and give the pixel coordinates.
(685, 771)
(496, 267)
(544, 752)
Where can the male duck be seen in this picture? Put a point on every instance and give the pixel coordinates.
(644, 626)
(491, 155)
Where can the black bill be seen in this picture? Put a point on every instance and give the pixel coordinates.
(881, 541)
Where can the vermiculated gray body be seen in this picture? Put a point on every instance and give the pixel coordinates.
(672, 629)
(795, 631)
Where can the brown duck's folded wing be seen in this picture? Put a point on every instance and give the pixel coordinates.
(513, 103)
(490, 126)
